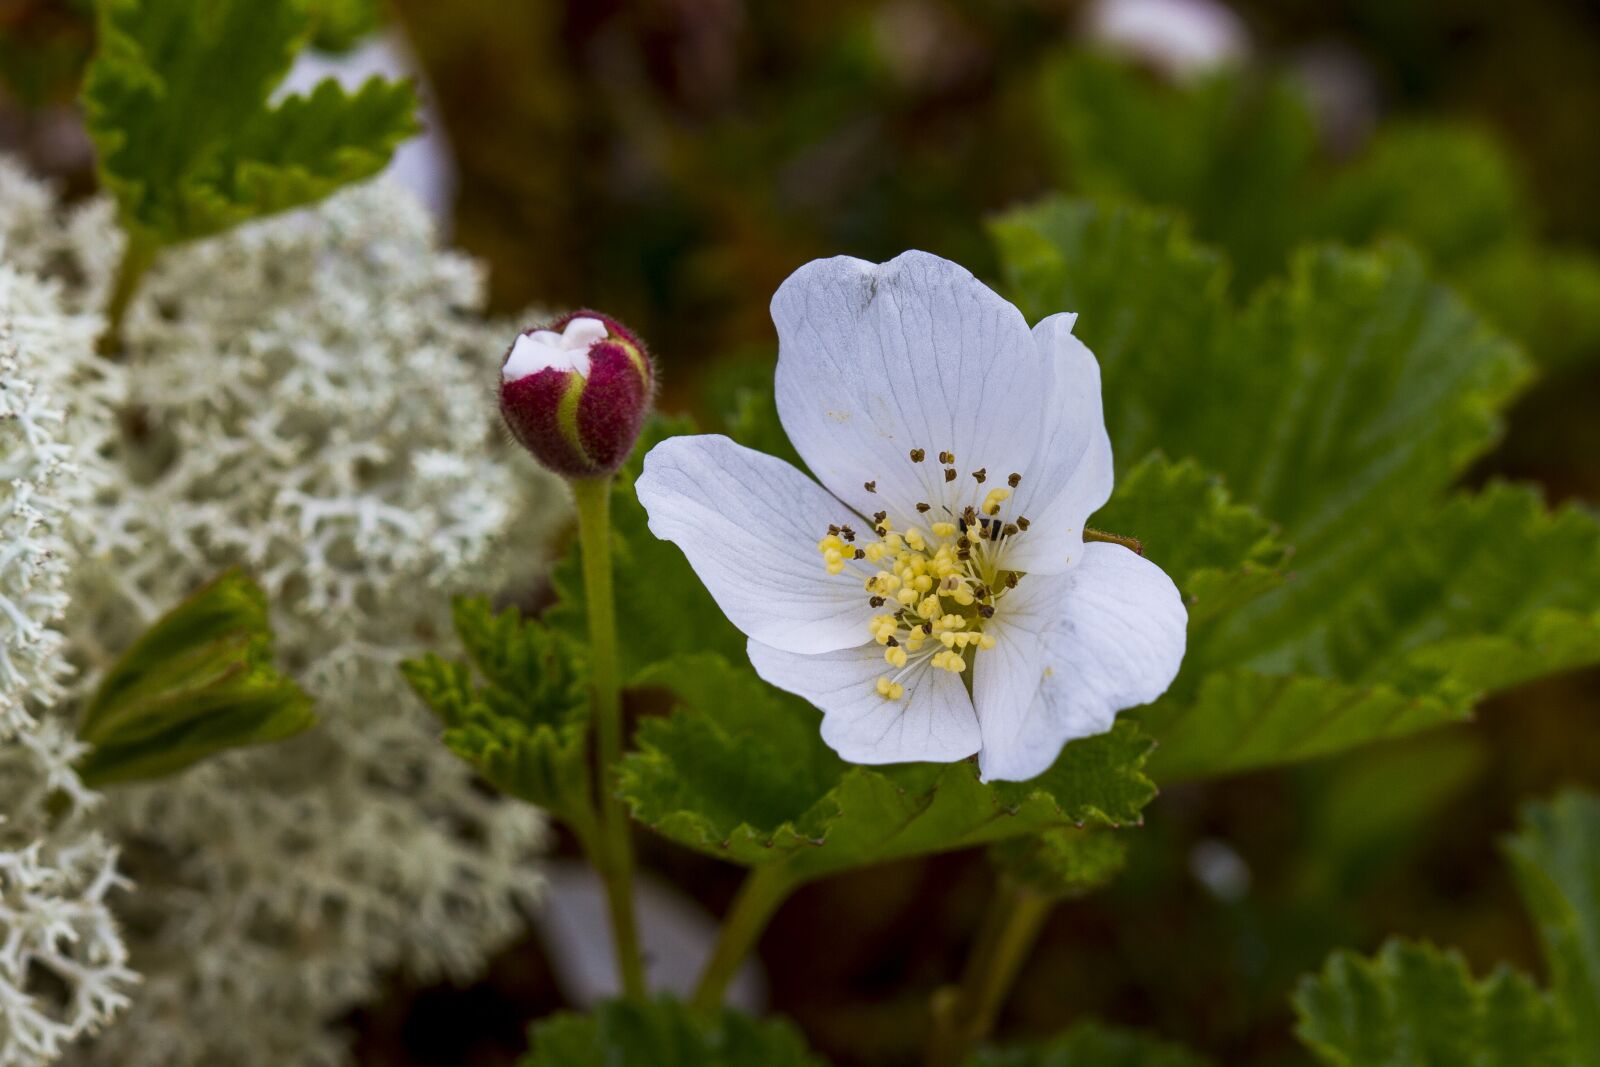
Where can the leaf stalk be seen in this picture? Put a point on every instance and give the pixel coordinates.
(963, 1016)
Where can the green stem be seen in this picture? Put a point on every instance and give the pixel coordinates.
(763, 890)
(964, 1016)
(137, 256)
(593, 497)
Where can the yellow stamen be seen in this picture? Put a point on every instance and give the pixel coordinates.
(937, 584)
(992, 502)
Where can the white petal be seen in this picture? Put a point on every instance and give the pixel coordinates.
(933, 719)
(875, 360)
(749, 524)
(543, 350)
(582, 332)
(1006, 678)
(1115, 641)
(1069, 478)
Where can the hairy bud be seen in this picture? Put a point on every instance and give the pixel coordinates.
(577, 392)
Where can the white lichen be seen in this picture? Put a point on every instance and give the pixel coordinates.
(63, 969)
(310, 398)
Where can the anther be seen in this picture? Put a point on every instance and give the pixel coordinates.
(1011, 579)
(983, 609)
(949, 474)
(871, 487)
(1008, 530)
(1014, 480)
(876, 601)
(969, 515)
(1022, 522)
(947, 458)
(917, 455)
(860, 554)
(893, 642)
(924, 508)
(980, 474)
(847, 533)
(833, 530)
(992, 502)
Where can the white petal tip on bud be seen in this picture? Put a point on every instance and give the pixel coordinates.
(546, 349)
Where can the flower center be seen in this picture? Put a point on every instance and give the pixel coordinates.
(938, 580)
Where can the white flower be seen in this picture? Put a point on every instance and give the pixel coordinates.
(956, 607)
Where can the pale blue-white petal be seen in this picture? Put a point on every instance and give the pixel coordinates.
(932, 720)
(1069, 477)
(1114, 640)
(749, 524)
(875, 360)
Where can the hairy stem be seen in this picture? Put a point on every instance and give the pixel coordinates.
(1132, 544)
(963, 1016)
(763, 890)
(593, 497)
(137, 255)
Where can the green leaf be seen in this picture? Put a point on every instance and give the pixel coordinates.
(1090, 1044)
(1150, 338)
(1342, 404)
(664, 1033)
(1549, 298)
(664, 609)
(740, 772)
(340, 25)
(1240, 719)
(1356, 387)
(1446, 188)
(1479, 592)
(200, 681)
(1064, 864)
(177, 104)
(1232, 151)
(1414, 1006)
(525, 726)
(1556, 858)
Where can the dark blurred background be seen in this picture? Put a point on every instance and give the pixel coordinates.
(671, 161)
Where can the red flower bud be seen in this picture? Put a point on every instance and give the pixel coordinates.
(576, 393)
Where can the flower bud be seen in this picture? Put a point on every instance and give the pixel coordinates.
(577, 392)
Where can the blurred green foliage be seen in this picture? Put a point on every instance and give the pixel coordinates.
(1415, 1005)
(1237, 154)
(1557, 859)
(664, 1033)
(199, 681)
